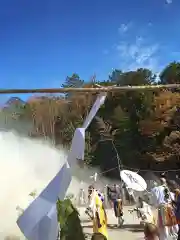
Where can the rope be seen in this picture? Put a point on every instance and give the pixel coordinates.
(136, 169)
(145, 170)
(111, 169)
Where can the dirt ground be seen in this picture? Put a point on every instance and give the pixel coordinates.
(131, 229)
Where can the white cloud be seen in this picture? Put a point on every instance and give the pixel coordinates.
(169, 1)
(124, 27)
(138, 54)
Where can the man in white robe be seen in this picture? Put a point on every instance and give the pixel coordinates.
(144, 212)
(158, 200)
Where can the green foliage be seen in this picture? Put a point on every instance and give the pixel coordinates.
(69, 220)
(140, 77)
(171, 74)
(137, 121)
(72, 82)
(33, 194)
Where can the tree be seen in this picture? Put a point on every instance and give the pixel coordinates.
(126, 110)
(69, 220)
(141, 76)
(73, 81)
(138, 122)
(115, 76)
(165, 105)
(170, 74)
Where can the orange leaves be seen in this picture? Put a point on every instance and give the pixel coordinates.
(51, 114)
(80, 103)
(163, 108)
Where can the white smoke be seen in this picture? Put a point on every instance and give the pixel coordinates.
(25, 165)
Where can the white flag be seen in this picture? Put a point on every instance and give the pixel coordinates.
(47, 228)
(39, 211)
(98, 103)
(39, 220)
(77, 147)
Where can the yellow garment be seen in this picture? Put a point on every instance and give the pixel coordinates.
(120, 207)
(102, 218)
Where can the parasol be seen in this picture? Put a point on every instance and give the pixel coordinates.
(133, 180)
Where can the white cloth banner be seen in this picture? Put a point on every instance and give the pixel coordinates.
(39, 211)
(77, 147)
(98, 103)
(78, 142)
(47, 228)
(39, 220)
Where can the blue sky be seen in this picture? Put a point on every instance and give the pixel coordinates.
(41, 42)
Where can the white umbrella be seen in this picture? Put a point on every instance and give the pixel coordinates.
(133, 180)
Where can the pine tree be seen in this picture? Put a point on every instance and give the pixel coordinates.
(72, 82)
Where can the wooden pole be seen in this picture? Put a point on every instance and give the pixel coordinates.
(93, 90)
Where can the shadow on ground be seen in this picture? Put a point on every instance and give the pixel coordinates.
(85, 220)
(128, 227)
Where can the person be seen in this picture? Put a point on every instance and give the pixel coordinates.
(98, 213)
(151, 232)
(131, 195)
(81, 198)
(166, 216)
(144, 212)
(116, 199)
(101, 195)
(173, 230)
(177, 209)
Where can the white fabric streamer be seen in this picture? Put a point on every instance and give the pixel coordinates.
(98, 103)
(39, 220)
(42, 211)
(77, 147)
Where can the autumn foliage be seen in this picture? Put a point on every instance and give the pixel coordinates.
(143, 125)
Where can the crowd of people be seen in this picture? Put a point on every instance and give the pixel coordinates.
(96, 209)
(160, 215)
(166, 199)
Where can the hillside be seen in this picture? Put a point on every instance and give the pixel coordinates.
(144, 125)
